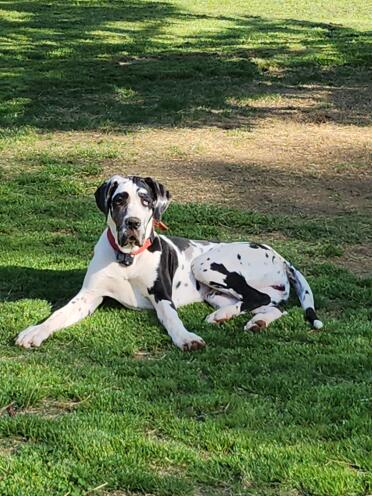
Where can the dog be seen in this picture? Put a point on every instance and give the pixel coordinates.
(141, 269)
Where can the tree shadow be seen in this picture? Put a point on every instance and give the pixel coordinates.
(73, 67)
(55, 286)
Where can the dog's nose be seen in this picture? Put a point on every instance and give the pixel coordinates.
(133, 222)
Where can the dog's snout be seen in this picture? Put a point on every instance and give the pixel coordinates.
(133, 222)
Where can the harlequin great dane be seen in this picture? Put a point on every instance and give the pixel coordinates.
(141, 269)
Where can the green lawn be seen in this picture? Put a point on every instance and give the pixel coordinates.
(110, 406)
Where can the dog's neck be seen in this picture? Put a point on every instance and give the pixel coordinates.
(128, 258)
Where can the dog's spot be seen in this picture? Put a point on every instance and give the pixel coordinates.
(258, 245)
(239, 256)
(178, 284)
(182, 243)
(278, 287)
(274, 257)
(186, 284)
(266, 255)
(197, 285)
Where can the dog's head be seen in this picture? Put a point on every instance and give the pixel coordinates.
(131, 204)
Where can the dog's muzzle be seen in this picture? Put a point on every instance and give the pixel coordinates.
(130, 233)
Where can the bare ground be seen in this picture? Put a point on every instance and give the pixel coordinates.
(304, 149)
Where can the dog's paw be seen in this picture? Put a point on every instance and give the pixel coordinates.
(33, 336)
(190, 342)
(255, 325)
(218, 317)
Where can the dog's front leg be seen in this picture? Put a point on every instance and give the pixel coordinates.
(82, 305)
(181, 337)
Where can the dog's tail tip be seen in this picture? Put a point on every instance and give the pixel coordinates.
(317, 324)
(312, 317)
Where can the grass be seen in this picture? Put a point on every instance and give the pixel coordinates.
(110, 407)
(110, 65)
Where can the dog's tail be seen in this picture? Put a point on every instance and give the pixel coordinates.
(304, 293)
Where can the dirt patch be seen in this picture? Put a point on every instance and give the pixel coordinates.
(357, 259)
(49, 408)
(281, 166)
(10, 445)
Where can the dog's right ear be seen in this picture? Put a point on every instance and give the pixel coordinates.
(104, 194)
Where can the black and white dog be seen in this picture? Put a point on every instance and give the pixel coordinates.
(141, 269)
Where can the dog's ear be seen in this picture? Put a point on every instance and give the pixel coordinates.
(104, 194)
(161, 197)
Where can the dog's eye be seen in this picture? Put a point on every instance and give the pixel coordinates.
(146, 202)
(119, 200)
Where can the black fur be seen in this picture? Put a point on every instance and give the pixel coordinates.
(251, 297)
(181, 243)
(162, 287)
(161, 197)
(258, 245)
(104, 194)
(310, 315)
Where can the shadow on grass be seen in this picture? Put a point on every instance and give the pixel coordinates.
(110, 66)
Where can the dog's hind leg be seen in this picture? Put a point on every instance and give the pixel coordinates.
(263, 316)
(225, 313)
(82, 305)
(217, 299)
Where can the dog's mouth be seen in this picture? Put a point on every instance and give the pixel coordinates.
(129, 238)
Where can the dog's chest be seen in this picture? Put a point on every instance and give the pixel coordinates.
(185, 288)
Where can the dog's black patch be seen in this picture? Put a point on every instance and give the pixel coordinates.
(239, 256)
(162, 287)
(258, 245)
(178, 284)
(104, 194)
(118, 206)
(310, 315)
(181, 243)
(197, 283)
(251, 297)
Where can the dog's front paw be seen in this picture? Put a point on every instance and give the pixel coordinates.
(190, 342)
(32, 336)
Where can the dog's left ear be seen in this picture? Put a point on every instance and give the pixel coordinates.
(161, 197)
(104, 194)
